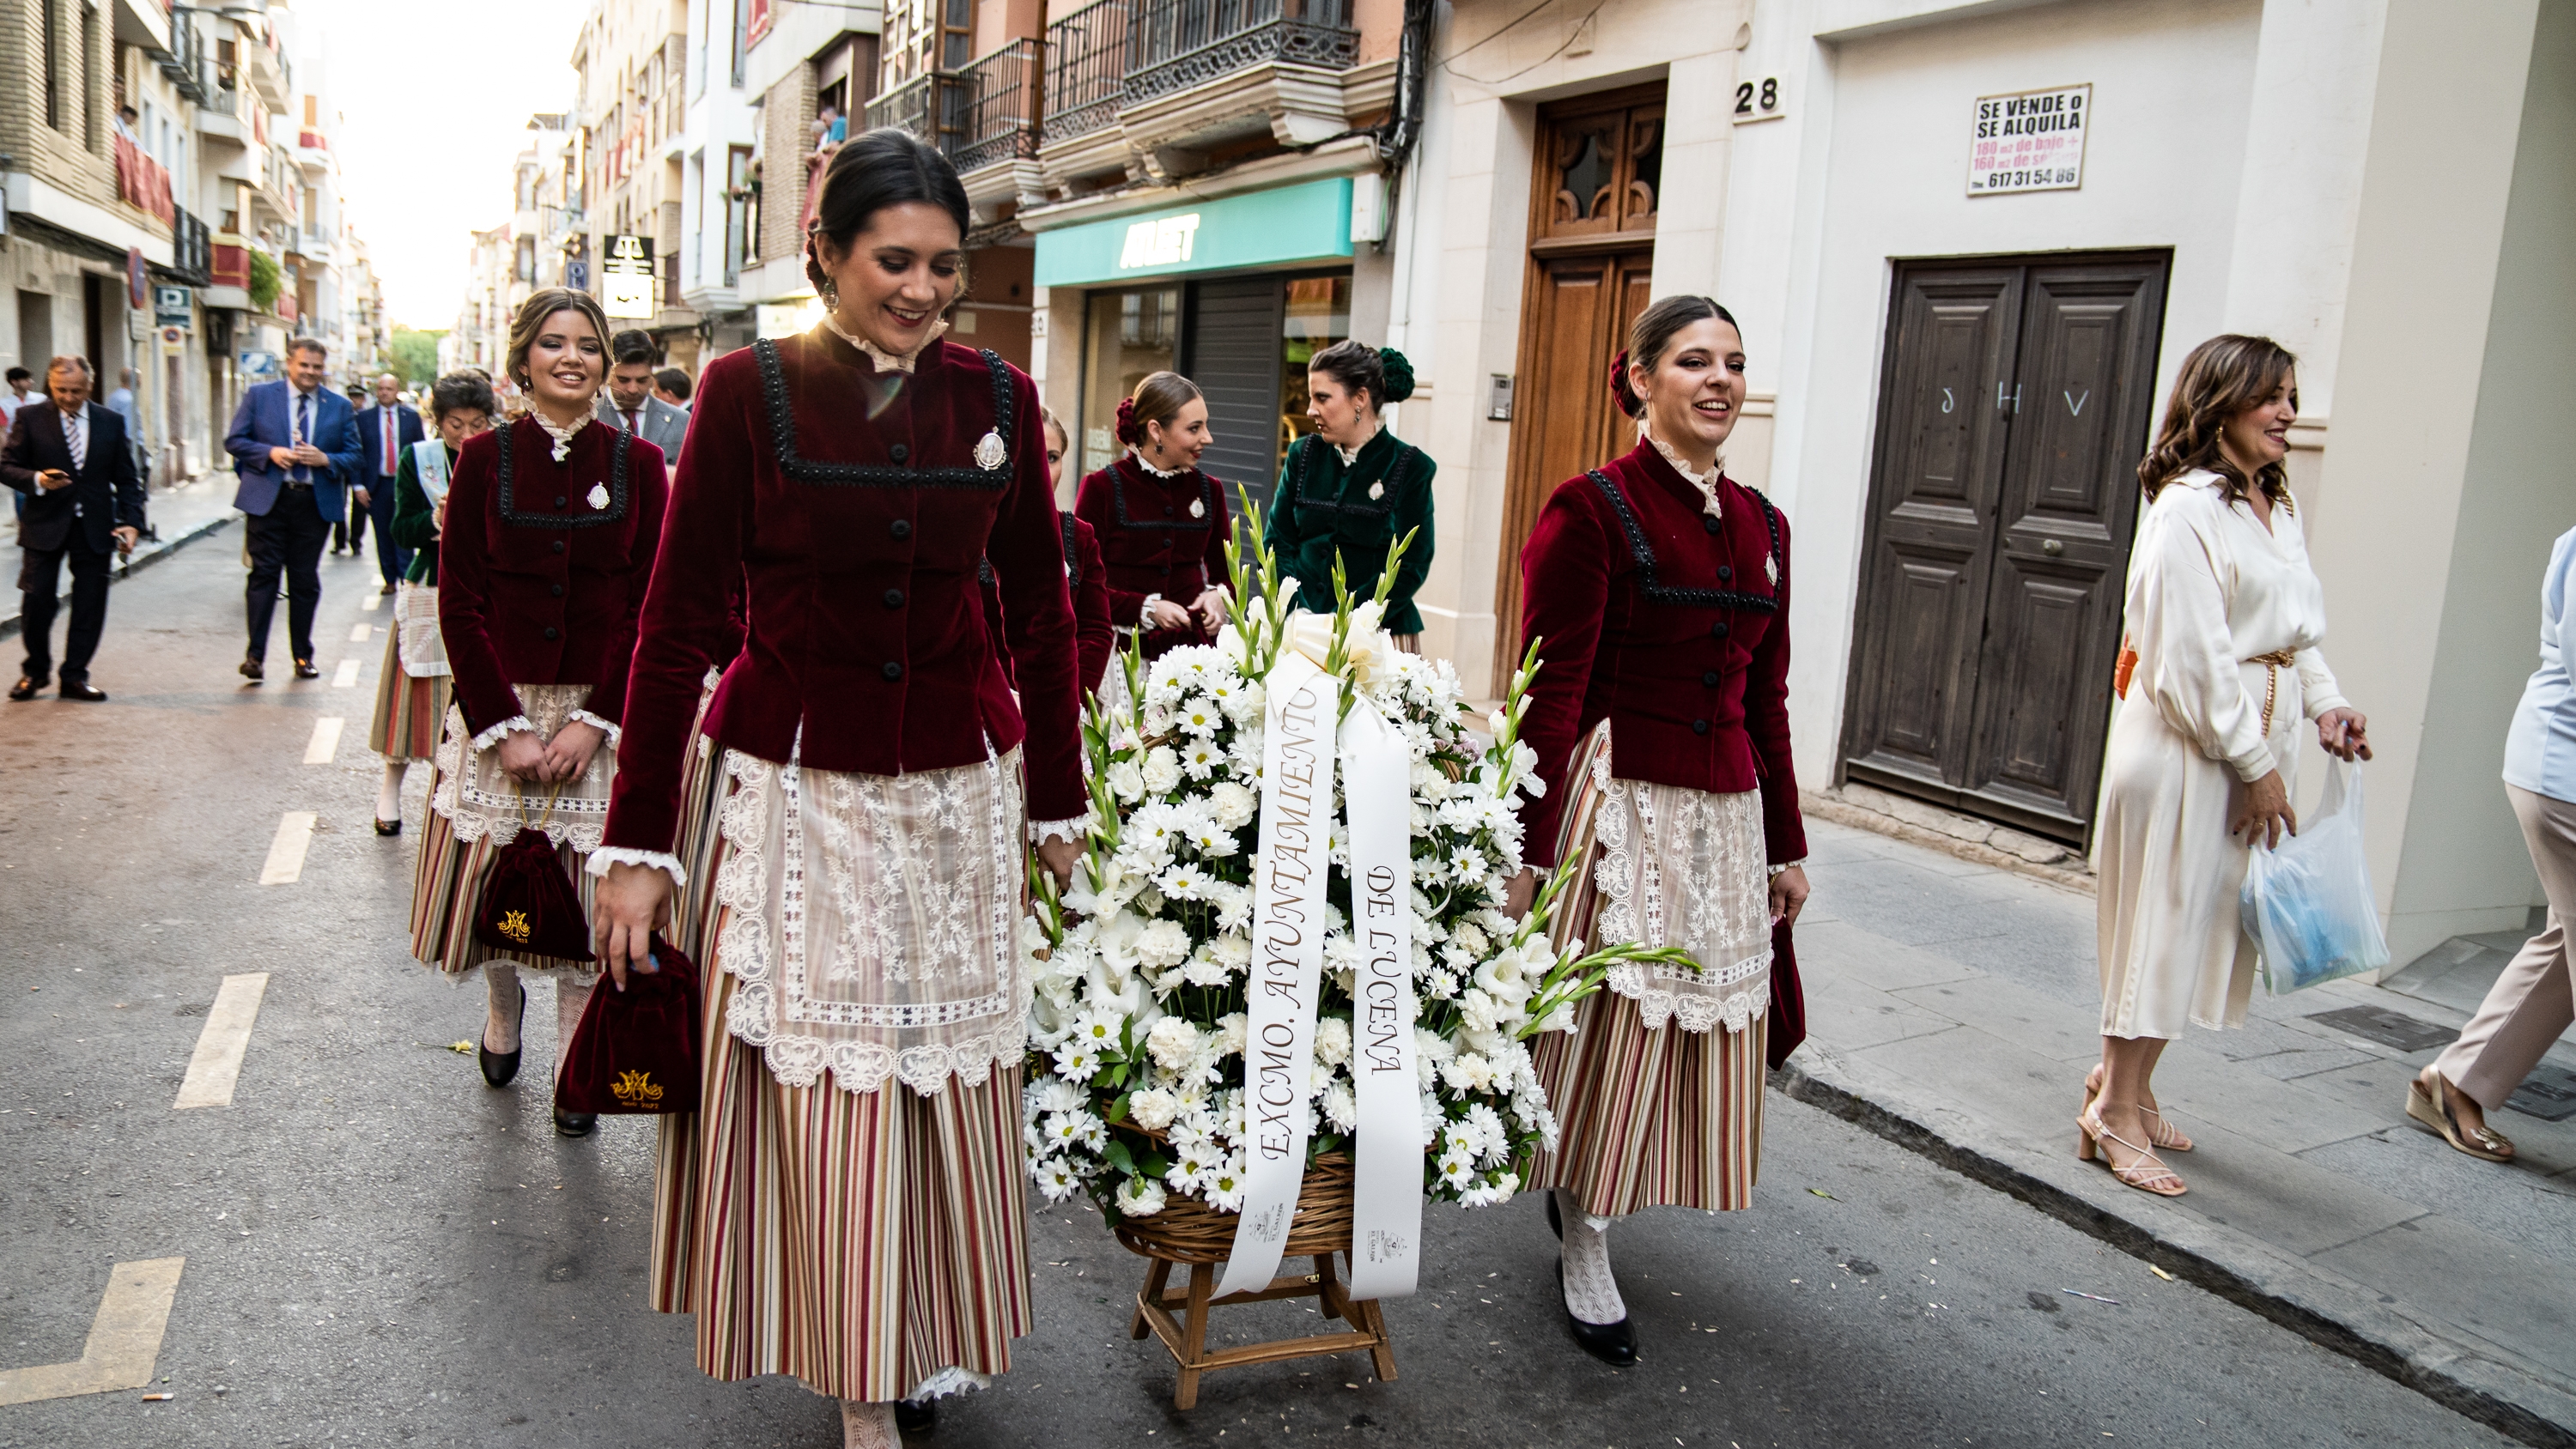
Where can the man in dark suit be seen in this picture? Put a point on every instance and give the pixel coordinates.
(628, 403)
(73, 462)
(383, 432)
(295, 445)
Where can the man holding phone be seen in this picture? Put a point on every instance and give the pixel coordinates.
(71, 460)
(294, 444)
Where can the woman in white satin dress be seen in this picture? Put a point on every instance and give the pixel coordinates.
(2224, 617)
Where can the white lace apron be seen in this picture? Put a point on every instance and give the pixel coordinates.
(1683, 867)
(872, 921)
(481, 800)
(422, 648)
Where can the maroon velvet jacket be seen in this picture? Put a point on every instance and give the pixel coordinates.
(1094, 639)
(1153, 544)
(535, 586)
(850, 507)
(1652, 618)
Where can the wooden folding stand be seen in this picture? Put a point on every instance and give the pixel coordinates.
(1189, 1234)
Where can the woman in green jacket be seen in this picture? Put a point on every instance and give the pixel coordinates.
(411, 689)
(1353, 488)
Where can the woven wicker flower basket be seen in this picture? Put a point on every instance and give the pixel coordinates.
(1188, 1232)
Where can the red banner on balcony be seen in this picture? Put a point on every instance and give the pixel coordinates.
(763, 12)
(142, 182)
(231, 266)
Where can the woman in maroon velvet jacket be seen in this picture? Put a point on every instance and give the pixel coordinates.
(1162, 523)
(549, 533)
(1658, 592)
(859, 1116)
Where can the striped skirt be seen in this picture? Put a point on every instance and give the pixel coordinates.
(409, 711)
(867, 1243)
(447, 884)
(1646, 1116)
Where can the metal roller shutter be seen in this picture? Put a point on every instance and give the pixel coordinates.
(1234, 352)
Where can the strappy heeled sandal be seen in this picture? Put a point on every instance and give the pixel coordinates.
(2147, 1172)
(2429, 1103)
(2163, 1134)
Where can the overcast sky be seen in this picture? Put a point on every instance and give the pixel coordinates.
(434, 102)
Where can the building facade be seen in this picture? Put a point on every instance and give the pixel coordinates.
(632, 59)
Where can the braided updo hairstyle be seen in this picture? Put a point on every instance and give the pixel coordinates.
(1385, 374)
(1651, 336)
(872, 171)
(1158, 399)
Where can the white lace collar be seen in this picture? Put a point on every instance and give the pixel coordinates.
(1351, 456)
(1139, 455)
(563, 436)
(1706, 482)
(887, 361)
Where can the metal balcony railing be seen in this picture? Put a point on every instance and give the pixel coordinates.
(1086, 68)
(1177, 44)
(1001, 122)
(932, 106)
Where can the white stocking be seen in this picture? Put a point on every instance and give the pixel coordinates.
(572, 994)
(868, 1426)
(1591, 1289)
(502, 993)
(389, 794)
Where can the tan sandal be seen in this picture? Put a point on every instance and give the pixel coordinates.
(2146, 1172)
(2160, 1132)
(2428, 1102)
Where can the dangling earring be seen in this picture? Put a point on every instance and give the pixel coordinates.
(831, 296)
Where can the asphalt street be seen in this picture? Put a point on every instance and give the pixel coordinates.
(380, 1250)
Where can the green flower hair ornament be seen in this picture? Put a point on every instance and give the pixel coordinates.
(1399, 374)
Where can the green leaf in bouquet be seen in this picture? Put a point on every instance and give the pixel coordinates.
(1155, 1163)
(1117, 1156)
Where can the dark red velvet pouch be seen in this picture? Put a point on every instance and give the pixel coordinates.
(529, 905)
(636, 1051)
(1787, 1023)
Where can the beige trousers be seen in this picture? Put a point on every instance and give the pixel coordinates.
(2531, 1003)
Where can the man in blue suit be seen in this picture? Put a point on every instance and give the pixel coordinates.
(383, 432)
(295, 445)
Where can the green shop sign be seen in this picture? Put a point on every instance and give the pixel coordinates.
(1309, 222)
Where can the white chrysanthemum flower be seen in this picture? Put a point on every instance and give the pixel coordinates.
(1152, 1109)
(1469, 1073)
(1162, 944)
(1471, 940)
(1162, 770)
(1341, 1108)
(1057, 1179)
(1205, 970)
(1456, 1171)
(1200, 758)
(1140, 1197)
(1199, 715)
(1184, 882)
(1233, 948)
(1099, 1027)
(1333, 1040)
(1224, 1190)
(1232, 1030)
(1232, 806)
(1077, 1061)
(1172, 1042)
(1066, 1130)
(1054, 1094)
(1190, 1168)
(1486, 1133)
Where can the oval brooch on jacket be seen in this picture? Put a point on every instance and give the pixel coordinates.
(989, 452)
(1198, 508)
(1377, 491)
(598, 496)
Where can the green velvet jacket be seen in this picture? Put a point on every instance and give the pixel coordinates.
(1322, 508)
(415, 525)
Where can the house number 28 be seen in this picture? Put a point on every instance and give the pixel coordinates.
(1758, 100)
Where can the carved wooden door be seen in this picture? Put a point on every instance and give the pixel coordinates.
(2016, 403)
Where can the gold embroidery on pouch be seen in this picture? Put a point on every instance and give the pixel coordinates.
(636, 1089)
(514, 924)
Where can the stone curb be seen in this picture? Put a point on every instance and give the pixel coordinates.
(1842, 812)
(143, 558)
(2471, 1377)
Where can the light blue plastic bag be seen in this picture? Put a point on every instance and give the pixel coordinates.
(2308, 904)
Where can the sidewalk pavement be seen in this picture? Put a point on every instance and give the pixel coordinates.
(181, 515)
(1954, 1006)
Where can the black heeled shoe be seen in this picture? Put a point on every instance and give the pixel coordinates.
(912, 1418)
(1613, 1343)
(1555, 1222)
(394, 827)
(574, 1124)
(500, 1067)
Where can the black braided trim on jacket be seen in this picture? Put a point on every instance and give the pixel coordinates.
(1394, 480)
(1687, 598)
(1072, 559)
(590, 518)
(782, 432)
(1118, 499)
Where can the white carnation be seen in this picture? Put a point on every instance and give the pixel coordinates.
(1333, 1040)
(1153, 1109)
(1162, 770)
(1173, 1041)
(1233, 805)
(1140, 1197)
(1163, 943)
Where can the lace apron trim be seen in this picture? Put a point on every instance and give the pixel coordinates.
(481, 800)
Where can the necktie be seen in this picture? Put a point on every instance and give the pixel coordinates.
(385, 454)
(630, 419)
(76, 437)
(303, 430)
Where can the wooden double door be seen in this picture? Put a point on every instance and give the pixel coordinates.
(2014, 405)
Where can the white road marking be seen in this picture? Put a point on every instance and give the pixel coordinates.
(217, 1063)
(326, 740)
(346, 675)
(124, 1340)
(369, 606)
(285, 862)
(358, 635)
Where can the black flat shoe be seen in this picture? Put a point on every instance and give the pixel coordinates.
(1613, 1343)
(500, 1067)
(307, 669)
(82, 689)
(912, 1418)
(253, 670)
(574, 1124)
(1555, 1222)
(394, 827)
(25, 689)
